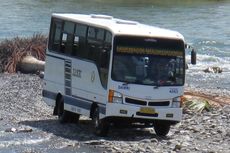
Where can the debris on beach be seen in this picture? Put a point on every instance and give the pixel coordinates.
(213, 69)
(11, 130)
(21, 130)
(197, 105)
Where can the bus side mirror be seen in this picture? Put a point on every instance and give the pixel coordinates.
(193, 57)
(193, 54)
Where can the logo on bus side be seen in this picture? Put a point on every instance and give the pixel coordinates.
(124, 87)
(77, 73)
(92, 76)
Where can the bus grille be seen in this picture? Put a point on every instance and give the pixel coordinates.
(144, 103)
(161, 103)
(135, 101)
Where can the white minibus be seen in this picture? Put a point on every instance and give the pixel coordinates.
(117, 72)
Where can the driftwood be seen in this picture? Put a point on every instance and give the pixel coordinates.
(213, 69)
(13, 52)
(30, 64)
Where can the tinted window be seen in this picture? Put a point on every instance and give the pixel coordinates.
(91, 43)
(79, 43)
(108, 37)
(92, 33)
(55, 35)
(100, 34)
(67, 38)
(81, 30)
(148, 61)
(69, 27)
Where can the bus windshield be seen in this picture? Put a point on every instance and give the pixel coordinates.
(148, 61)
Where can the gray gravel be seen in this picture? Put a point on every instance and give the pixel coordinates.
(27, 126)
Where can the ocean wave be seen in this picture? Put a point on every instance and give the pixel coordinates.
(210, 59)
(205, 61)
(207, 42)
(212, 47)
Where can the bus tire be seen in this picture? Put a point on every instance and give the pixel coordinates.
(161, 129)
(63, 115)
(74, 117)
(101, 127)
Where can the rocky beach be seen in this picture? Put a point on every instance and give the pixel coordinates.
(27, 126)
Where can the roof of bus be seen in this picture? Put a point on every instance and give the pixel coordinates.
(119, 26)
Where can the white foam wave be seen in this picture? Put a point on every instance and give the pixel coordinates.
(209, 59)
(205, 61)
(207, 42)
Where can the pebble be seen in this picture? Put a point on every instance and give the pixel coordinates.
(177, 147)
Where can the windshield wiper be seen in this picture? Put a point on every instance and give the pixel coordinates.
(132, 82)
(125, 83)
(158, 84)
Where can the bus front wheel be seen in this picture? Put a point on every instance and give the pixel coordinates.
(101, 127)
(63, 115)
(161, 129)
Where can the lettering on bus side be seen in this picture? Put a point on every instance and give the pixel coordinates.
(124, 87)
(77, 73)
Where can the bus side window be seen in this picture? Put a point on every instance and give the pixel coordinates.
(92, 44)
(95, 43)
(75, 45)
(105, 53)
(63, 42)
(55, 35)
(67, 37)
(79, 43)
(100, 34)
(104, 58)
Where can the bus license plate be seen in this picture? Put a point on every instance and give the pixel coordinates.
(147, 110)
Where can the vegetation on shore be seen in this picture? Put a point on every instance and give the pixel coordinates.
(14, 50)
(196, 104)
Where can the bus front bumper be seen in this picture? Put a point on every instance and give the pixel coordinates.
(148, 113)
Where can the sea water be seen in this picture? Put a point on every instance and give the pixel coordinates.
(203, 23)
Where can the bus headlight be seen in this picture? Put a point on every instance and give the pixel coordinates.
(176, 102)
(115, 97)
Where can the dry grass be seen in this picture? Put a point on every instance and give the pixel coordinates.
(12, 51)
